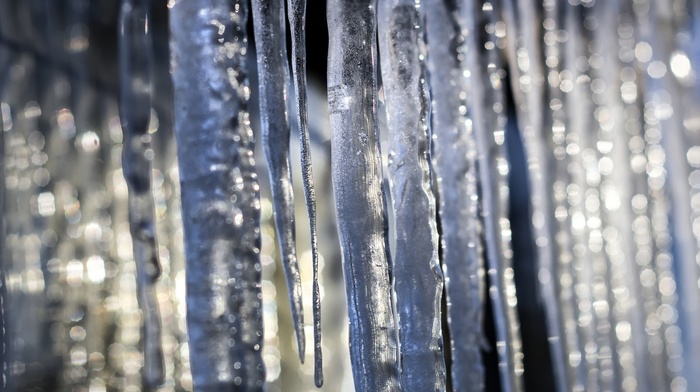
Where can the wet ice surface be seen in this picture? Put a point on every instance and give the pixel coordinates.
(297, 21)
(220, 195)
(454, 164)
(360, 203)
(607, 101)
(418, 278)
(273, 74)
(135, 111)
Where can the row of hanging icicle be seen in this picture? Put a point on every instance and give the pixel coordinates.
(138, 253)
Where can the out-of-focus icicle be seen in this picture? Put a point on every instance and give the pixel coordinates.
(672, 121)
(637, 341)
(220, 194)
(527, 68)
(488, 107)
(5, 62)
(273, 74)
(570, 241)
(592, 253)
(418, 279)
(684, 65)
(135, 51)
(454, 161)
(360, 203)
(296, 10)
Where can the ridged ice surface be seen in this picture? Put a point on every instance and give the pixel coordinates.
(220, 195)
(110, 139)
(360, 204)
(418, 278)
(454, 163)
(296, 10)
(273, 75)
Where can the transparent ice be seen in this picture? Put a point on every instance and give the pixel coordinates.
(140, 248)
(418, 278)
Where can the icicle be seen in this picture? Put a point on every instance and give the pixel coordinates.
(273, 74)
(671, 101)
(532, 101)
(633, 291)
(489, 128)
(5, 62)
(568, 140)
(593, 269)
(454, 161)
(418, 278)
(135, 111)
(220, 194)
(360, 204)
(296, 10)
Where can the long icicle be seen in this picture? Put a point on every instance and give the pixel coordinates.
(671, 121)
(360, 203)
(296, 10)
(488, 108)
(135, 51)
(633, 339)
(526, 65)
(220, 194)
(418, 278)
(5, 63)
(568, 188)
(454, 161)
(273, 74)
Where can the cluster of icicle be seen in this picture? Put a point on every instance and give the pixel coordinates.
(604, 94)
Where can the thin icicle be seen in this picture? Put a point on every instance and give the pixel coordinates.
(418, 279)
(273, 73)
(360, 204)
(220, 194)
(568, 187)
(135, 51)
(488, 108)
(583, 178)
(5, 63)
(454, 161)
(296, 10)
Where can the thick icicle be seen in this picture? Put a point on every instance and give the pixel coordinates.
(488, 108)
(220, 194)
(418, 279)
(135, 51)
(297, 21)
(360, 203)
(454, 161)
(273, 74)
